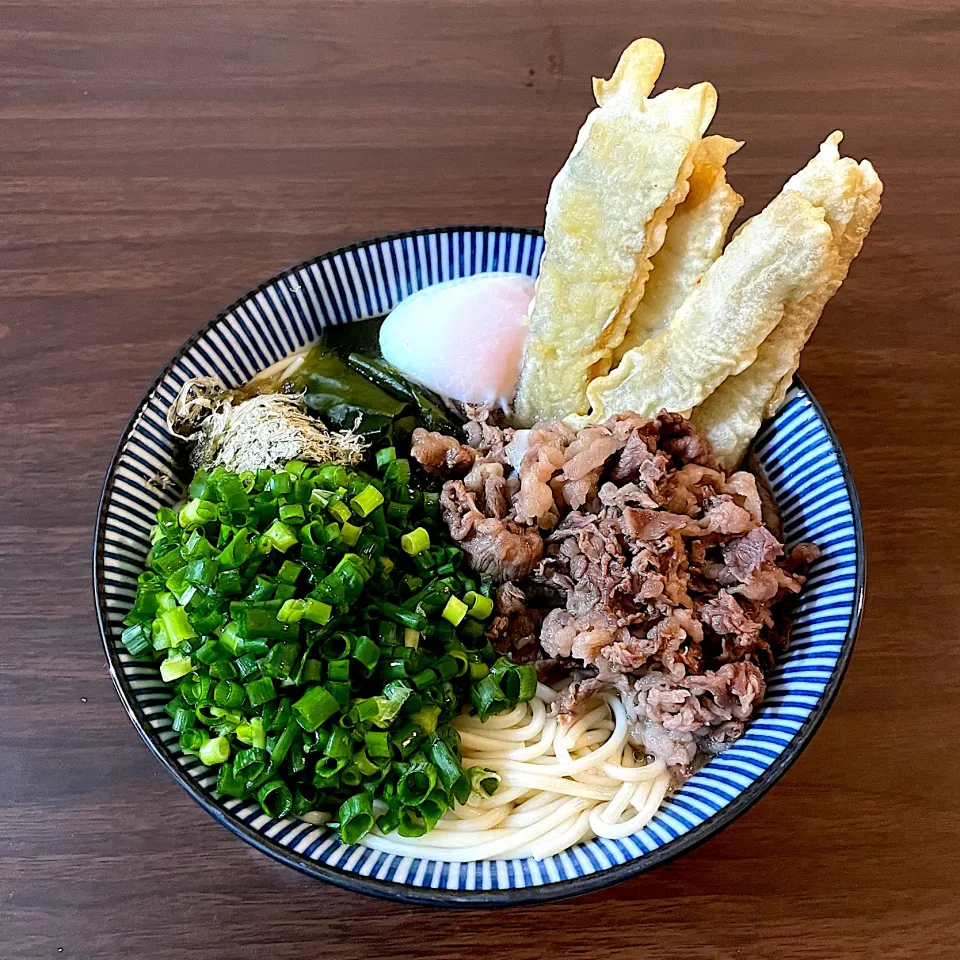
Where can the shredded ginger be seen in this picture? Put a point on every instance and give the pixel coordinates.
(260, 433)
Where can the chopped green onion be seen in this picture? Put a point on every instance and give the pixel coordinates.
(484, 781)
(246, 665)
(312, 671)
(292, 513)
(202, 572)
(426, 718)
(338, 745)
(229, 583)
(275, 799)
(176, 623)
(385, 456)
(315, 707)
(316, 611)
(332, 475)
(278, 750)
(289, 571)
(252, 733)
(377, 744)
(487, 697)
(136, 639)
(228, 693)
(517, 682)
(237, 551)
(454, 611)
(279, 662)
(356, 818)
(337, 646)
(232, 493)
(399, 512)
(395, 694)
(339, 510)
(448, 668)
(402, 616)
(292, 611)
(397, 472)
(350, 534)
(284, 591)
(363, 763)
(416, 783)
(367, 500)
(258, 622)
(415, 542)
(196, 512)
(448, 766)
(260, 691)
(366, 652)
(228, 784)
(214, 751)
(191, 740)
(175, 667)
(480, 606)
(279, 537)
(338, 669)
(318, 642)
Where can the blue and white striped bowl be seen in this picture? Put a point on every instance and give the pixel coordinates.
(797, 450)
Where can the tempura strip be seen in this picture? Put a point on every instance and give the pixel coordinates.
(849, 194)
(606, 218)
(777, 258)
(695, 237)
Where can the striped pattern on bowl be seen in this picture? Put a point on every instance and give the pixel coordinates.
(797, 450)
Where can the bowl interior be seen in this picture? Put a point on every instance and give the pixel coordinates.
(796, 450)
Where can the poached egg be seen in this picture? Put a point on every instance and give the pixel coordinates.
(462, 339)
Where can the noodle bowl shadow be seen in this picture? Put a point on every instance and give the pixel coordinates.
(796, 450)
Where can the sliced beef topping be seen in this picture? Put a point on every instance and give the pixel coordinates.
(502, 549)
(801, 556)
(511, 600)
(636, 455)
(656, 524)
(724, 616)
(487, 481)
(499, 549)
(573, 700)
(544, 457)
(624, 553)
(672, 717)
(681, 439)
(440, 454)
(748, 554)
(485, 435)
(459, 509)
(628, 495)
(725, 517)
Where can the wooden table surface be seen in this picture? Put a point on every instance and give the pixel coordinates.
(158, 157)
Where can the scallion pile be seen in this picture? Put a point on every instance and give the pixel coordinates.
(320, 631)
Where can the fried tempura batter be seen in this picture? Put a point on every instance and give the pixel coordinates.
(778, 258)
(849, 194)
(695, 237)
(606, 218)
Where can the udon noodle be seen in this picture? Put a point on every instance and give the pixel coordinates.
(560, 784)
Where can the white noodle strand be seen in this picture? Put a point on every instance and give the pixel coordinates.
(560, 784)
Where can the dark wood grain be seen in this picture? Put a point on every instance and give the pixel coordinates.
(158, 157)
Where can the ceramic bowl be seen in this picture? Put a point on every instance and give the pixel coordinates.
(797, 450)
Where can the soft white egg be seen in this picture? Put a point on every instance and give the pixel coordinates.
(462, 339)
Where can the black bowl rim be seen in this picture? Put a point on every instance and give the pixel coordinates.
(400, 892)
